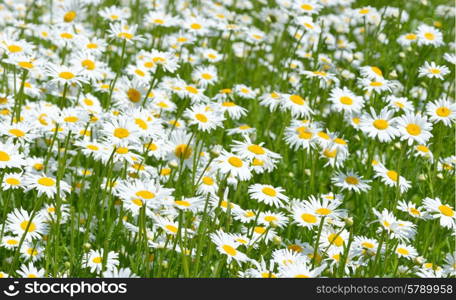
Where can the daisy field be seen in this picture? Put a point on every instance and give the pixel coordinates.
(227, 138)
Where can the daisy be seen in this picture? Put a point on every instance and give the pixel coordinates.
(31, 251)
(428, 35)
(297, 105)
(205, 76)
(250, 151)
(300, 270)
(431, 70)
(414, 128)
(10, 242)
(381, 126)
(441, 111)
(94, 260)
(235, 112)
(30, 271)
(399, 103)
(10, 156)
(405, 40)
(351, 181)
(378, 85)
(228, 246)
(345, 100)
(272, 219)
(65, 75)
(123, 31)
(228, 163)
(323, 207)
(371, 72)
(20, 223)
(305, 217)
(406, 251)
(120, 130)
(244, 91)
(45, 185)
(411, 209)
(12, 181)
(271, 100)
(391, 178)
(167, 225)
(444, 212)
(334, 238)
(268, 194)
(204, 117)
(119, 273)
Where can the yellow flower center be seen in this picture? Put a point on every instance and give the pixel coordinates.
(31, 227)
(69, 16)
(443, 111)
(229, 250)
(309, 218)
(183, 151)
(351, 180)
(367, 245)
(191, 89)
(134, 95)
(12, 181)
(346, 100)
(235, 162)
(380, 124)
(121, 133)
(208, 180)
(88, 64)
(46, 181)
(125, 35)
(196, 26)
(256, 149)
(392, 175)
(297, 99)
(17, 132)
(413, 129)
(446, 210)
(145, 194)
(269, 191)
(201, 117)
(377, 71)
(141, 123)
(171, 228)
(97, 260)
(25, 64)
(429, 36)
(66, 75)
(335, 239)
(402, 251)
(323, 211)
(14, 48)
(182, 203)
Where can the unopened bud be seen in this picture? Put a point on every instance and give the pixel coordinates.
(277, 240)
